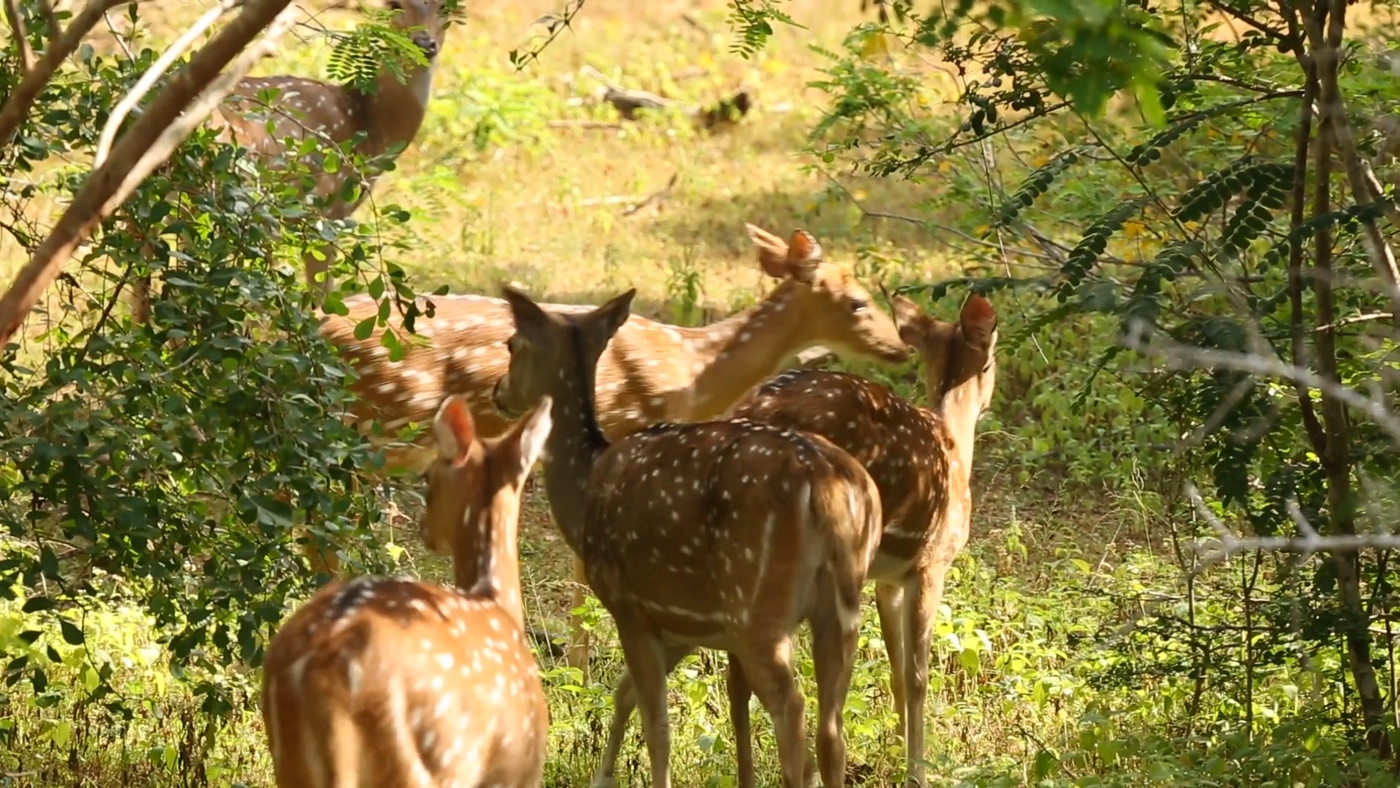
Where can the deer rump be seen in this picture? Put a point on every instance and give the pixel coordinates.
(727, 529)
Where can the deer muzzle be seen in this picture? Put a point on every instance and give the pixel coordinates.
(498, 399)
(427, 43)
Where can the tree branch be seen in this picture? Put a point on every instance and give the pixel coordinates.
(17, 29)
(17, 107)
(153, 75)
(148, 142)
(1326, 52)
(1295, 254)
(1179, 356)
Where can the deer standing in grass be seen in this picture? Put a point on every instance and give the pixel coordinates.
(921, 460)
(333, 114)
(719, 534)
(650, 372)
(389, 682)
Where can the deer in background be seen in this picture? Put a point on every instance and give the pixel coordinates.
(718, 534)
(333, 114)
(921, 461)
(650, 372)
(396, 683)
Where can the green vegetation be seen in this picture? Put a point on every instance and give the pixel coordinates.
(1122, 179)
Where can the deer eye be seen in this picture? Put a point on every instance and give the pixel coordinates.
(395, 5)
(859, 304)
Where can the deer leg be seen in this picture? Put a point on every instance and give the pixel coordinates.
(579, 651)
(643, 687)
(924, 590)
(833, 657)
(768, 671)
(889, 605)
(739, 691)
(624, 701)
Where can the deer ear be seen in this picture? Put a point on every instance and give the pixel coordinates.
(615, 312)
(803, 246)
(772, 252)
(979, 322)
(907, 317)
(523, 310)
(804, 255)
(534, 433)
(454, 429)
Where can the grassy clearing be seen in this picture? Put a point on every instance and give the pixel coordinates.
(505, 182)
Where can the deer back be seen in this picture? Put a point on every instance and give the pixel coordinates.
(401, 683)
(907, 451)
(716, 527)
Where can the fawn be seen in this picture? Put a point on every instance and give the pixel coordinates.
(385, 681)
(307, 108)
(921, 460)
(720, 534)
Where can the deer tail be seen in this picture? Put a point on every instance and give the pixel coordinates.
(846, 510)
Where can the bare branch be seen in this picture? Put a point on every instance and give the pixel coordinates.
(17, 107)
(1180, 356)
(153, 75)
(144, 146)
(1309, 543)
(17, 29)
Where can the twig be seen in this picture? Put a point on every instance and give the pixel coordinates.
(21, 34)
(585, 124)
(153, 75)
(654, 197)
(1309, 543)
(117, 36)
(148, 143)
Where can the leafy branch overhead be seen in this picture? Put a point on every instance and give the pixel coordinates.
(360, 55)
(1225, 221)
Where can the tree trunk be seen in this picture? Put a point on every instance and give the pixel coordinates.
(1336, 445)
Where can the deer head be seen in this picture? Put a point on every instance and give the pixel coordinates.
(828, 298)
(473, 494)
(422, 21)
(959, 358)
(533, 356)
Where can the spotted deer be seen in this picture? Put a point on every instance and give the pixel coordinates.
(650, 372)
(921, 461)
(717, 534)
(385, 681)
(303, 108)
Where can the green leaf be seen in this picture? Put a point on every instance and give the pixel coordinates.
(61, 733)
(365, 328)
(970, 660)
(72, 635)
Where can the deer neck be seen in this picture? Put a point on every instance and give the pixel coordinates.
(574, 442)
(395, 111)
(485, 561)
(958, 411)
(736, 354)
